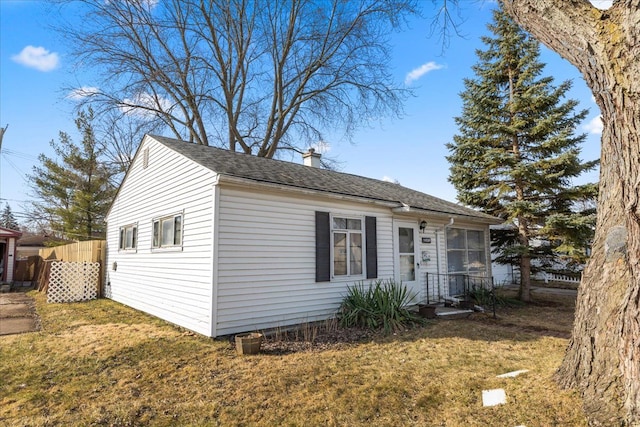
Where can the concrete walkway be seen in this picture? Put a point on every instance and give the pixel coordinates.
(17, 314)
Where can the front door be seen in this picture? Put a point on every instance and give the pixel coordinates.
(406, 259)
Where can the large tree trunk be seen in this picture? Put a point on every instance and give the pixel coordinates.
(603, 358)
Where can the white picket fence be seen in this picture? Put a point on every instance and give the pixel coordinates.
(555, 277)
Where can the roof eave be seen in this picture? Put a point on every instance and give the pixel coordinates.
(395, 207)
(230, 179)
(482, 219)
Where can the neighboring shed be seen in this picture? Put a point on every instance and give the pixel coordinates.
(8, 258)
(221, 242)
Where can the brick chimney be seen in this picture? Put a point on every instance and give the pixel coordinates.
(311, 158)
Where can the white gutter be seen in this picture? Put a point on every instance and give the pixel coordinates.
(408, 209)
(403, 208)
(244, 182)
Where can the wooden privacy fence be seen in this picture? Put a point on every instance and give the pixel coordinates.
(26, 269)
(91, 251)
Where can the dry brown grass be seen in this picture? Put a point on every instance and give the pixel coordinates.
(100, 363)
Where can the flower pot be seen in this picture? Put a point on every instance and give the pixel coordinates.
(248, 343)
(427, 311)
(467, 305)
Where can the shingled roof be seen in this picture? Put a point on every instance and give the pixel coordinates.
(295, 175)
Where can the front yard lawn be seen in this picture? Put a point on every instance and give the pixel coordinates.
(103, 364)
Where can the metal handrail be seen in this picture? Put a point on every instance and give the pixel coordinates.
(470, 284)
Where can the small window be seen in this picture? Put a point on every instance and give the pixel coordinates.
(347, 246)
(128, 237)
(167, 231)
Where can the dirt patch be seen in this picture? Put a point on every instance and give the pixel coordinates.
(319, 340)
(530, 329)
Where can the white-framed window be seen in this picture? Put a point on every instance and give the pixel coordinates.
(347, 246)
(128, 237)
(167, 231)
(466, 251)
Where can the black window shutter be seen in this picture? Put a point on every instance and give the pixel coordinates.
(323, 247)
(372, 246)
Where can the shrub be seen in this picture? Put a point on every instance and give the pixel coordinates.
(485, 298)
(383, 304)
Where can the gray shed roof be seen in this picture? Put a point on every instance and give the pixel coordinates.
(294, 175)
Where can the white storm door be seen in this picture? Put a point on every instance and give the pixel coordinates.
(406, 256)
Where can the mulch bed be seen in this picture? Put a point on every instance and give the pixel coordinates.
(323, 339)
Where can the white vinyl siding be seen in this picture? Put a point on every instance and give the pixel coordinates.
(173, 285)
(266, 259)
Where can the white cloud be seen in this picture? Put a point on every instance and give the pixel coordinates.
(37, 57)
(417, 73)
(142, 104)
(83, 92)
(322, 147)
(594, 126)
(391, 180)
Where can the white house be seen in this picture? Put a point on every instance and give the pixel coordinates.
(8, 240)
(221, 242)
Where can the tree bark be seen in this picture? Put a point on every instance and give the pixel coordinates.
(603, 358)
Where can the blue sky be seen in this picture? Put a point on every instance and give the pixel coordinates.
(35, 66)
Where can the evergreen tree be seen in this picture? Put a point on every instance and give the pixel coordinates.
(74, 193)
(7, 219)
(516, 152)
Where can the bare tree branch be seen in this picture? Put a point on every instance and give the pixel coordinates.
(252, 75)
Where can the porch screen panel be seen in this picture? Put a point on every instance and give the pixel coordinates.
(466, 257)
(476, 254)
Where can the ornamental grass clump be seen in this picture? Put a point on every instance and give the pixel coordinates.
(382, 304)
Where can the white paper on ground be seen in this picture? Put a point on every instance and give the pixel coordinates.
(513, 374)
(494, 397)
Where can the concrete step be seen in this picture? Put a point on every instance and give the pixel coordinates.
(450, 313)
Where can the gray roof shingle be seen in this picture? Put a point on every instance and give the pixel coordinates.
(294, 175)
